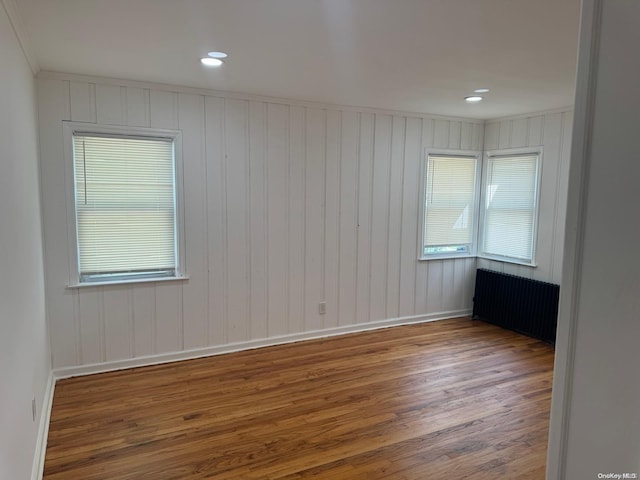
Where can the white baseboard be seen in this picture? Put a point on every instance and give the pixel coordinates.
(37, 470)
(67, 372)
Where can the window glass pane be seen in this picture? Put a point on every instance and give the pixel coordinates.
(510, 201)
(449, 204)
(125, 205)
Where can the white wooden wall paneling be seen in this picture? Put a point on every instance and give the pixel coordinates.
(277, 218)
(380, 216)
(504, 134)
(82, 98)
(110, 105)
(236, 163)
(285, 206)
(365, 193)
(64, 331)
(348, 233)
(547, 197)
(144, 314)
(441, 134)
(87, 311)
(195, 293)
(449, 285)
(314, 217)
(168, 317)
(331, 270)
(422, 294)
(477, 138)
(137, 101)
(519, 133)
(455, 135)
(143, 298)
(491, 132)
(260, 192)
(410, 212)
(434, 290)
(216, 220)
(536, 126)
(117, 322)
(562, 192)
(394, 228)
(296, 202)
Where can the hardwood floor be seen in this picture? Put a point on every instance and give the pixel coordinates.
(448, 399)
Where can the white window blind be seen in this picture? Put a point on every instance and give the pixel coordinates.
(510, 197)
(125, 206)
(450, 195)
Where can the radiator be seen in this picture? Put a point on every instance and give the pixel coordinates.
(519, 304)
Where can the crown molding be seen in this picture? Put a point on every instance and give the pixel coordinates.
(75, 77)
(13, 12)
(551, 111)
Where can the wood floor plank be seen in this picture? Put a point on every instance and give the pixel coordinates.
(449, 398)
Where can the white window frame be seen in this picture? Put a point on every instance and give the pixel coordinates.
(538, 151)
(69, 129)
(423, 191)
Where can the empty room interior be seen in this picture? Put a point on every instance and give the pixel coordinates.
(337, 239)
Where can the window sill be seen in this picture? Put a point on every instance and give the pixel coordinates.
(446, 257)
(484, 257)
(509, 260)
(128, 282)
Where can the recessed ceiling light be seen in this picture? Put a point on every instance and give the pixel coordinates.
(481, 90)
(473, 99)
(211, 62)
(217, 54)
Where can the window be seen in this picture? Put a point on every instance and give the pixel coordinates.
(125, 199)
(450, 201)
(510, 198)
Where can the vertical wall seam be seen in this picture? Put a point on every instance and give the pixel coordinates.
(356, 250)
(339, 219)
(323, 216)
(370, 233)
(304, 221)
(154, 321)
(205, 217)
(182, 225)
(101, 325)
(265, 209)
(388, 232)
(225, 237)
(246, 322)
(75, 295)
(124, 114)
(402, 187)
(552, 258)
(132, 332)
(417, 181)
(247, 222)
(288, 226)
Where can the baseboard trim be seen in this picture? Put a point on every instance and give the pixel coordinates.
(37, 470)
(67, 372)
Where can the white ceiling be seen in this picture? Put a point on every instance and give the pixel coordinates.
(410, 55)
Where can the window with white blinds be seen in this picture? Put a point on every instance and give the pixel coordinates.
(510, 197)
(450, 205)
(125, 199)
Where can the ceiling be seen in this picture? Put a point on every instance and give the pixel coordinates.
(410, 55)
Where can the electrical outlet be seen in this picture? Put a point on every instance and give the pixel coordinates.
(322, 308)
(33, 408)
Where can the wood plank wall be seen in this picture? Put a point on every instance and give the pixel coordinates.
(286, 205)
(552, 132)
